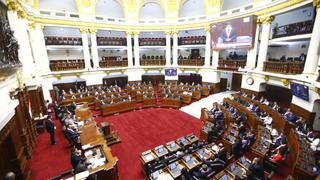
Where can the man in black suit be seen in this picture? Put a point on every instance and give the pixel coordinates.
(256, 170)
(50, 129)
(228, 34)
(236, 148)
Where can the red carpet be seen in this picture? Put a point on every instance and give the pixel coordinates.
(142, 130)
(50, 160)
(139, 131)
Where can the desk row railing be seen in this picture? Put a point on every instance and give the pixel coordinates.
(283, 67)
(231, 64)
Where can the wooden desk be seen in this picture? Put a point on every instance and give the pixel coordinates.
(109, 109)
(147, 157)
(205, 131)
(160, 151)
(204, 153)
(175, 169)
(172, 146)
(149, 102)
(192, 138)
(224, 175)
(88, 99)
(190, 163)
(171, 103)
(196, 95)
(183, 141)
(186, 98)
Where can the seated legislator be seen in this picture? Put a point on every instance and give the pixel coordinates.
(256, 170)
(236, 148)
(222, 153)
(289, 116)
(203, 172)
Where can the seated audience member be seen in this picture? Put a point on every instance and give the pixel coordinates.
(185, 175)
(75, 158)
(10, 176)
(242, 129)
(301, 125)
(215, 163)
(276, 158)
(256, 170)
(267, 120)
(276, 107)
(290, 116)
(82, 166)
(71, 134)
(281, 139)
(218, 115)
(222, 153)
(251, 137)
(282, 149)
(244, 143)
(214, 109)
(315, 144)
(236, 148)
(203, 171)
(213, 134)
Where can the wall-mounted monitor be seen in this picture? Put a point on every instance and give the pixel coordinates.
(299, 90)
(235, 33)
(170, 72)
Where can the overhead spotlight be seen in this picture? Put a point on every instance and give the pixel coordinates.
(61, 29)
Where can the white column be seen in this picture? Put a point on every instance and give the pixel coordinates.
(39, 49)
(129, 49)
(94, 48)
(208, 47)
(175, 49)
(264, 42)
(136, 49)
(85, 46)
(252, 53)
(215, 59)
(313, 51)
(168, 48)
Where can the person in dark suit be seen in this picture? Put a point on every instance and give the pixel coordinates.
(50, 129)
(256, 170)
(75, 158)
(222, 153)
(228, 34)
(236, 148)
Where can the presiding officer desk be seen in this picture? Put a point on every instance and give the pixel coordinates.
(95, 148)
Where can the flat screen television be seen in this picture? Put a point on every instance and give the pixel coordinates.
(299, 90)
(170, 72)
(234, 33)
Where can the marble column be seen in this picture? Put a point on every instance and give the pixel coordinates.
(85, 48)
(314, 46)
(252, 53)
(175, 48)
(208, 47)
(136, 49)
(215, 59)
(129, 48)
(168, 48)
(264, 41)
(94, 48)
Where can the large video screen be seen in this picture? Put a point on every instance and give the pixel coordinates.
(300, 91)
(170, 72)
(235, 33)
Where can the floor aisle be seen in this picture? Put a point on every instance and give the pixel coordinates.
(194, 109)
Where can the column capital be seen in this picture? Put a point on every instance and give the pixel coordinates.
(207, 29)
(175, 32)
(84, 30)
(316, 4)
(92, 31)
(129, 33)
(136, 33)
(168, 33)
(12, 5)
(266, 20)
(32, 25)
(21, 14)
(259, 21)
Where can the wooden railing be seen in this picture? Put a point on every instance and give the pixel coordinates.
(65, 65)
(66, 41)
(113, 63)
(192, 40)
(293, 29)
(283, 67)
(152, 41)
(153, 62)
(231, 64)
(191, 62)
(111, 41)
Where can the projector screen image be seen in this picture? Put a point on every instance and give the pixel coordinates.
(300, 91)
(235, 33)
(170, 72)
